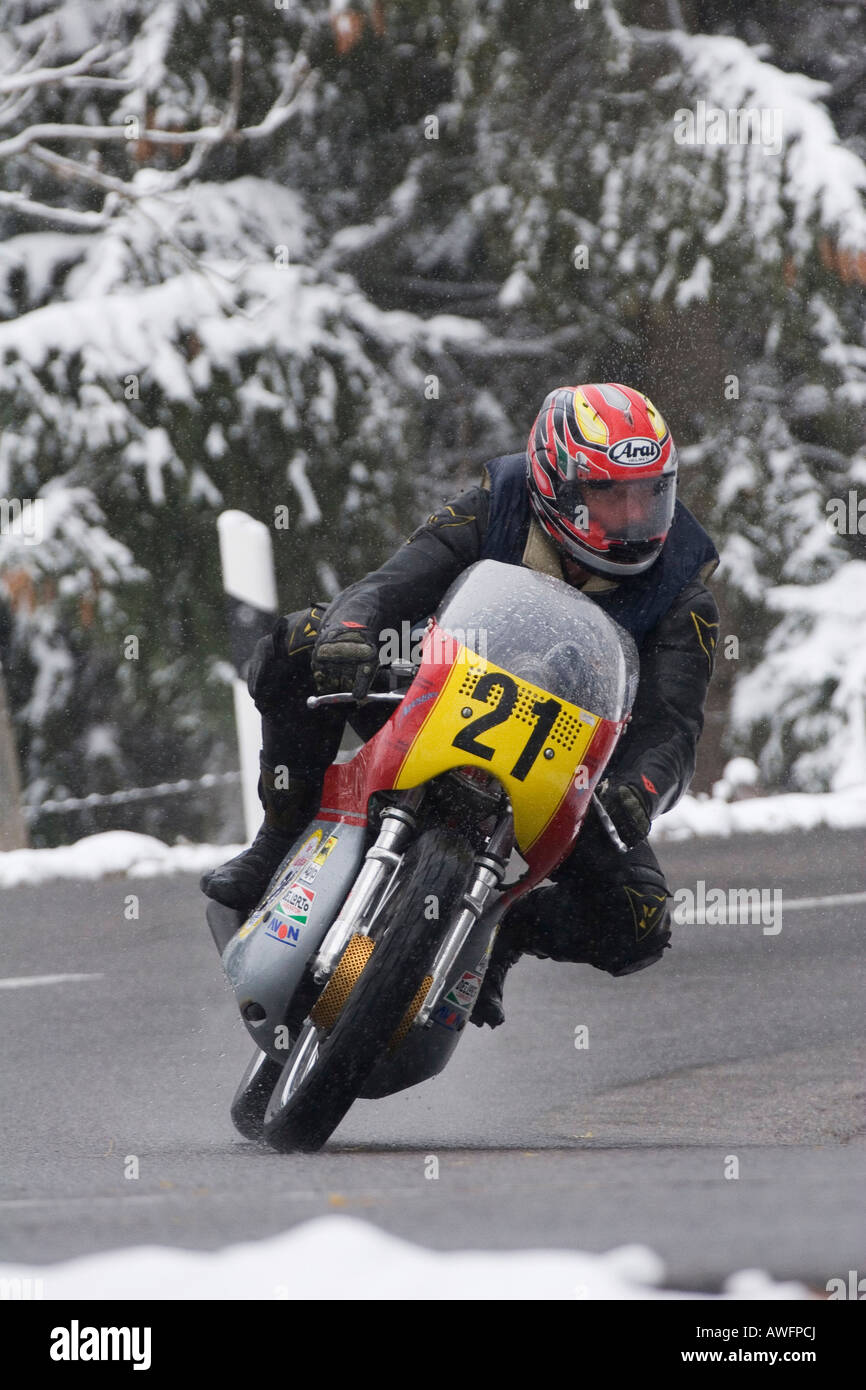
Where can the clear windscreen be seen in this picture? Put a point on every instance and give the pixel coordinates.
(542, 630)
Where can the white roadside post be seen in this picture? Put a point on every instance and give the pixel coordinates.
(13, 827)
(247, 562)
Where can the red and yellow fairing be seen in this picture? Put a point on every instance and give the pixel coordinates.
(465, 711)
(535, 784)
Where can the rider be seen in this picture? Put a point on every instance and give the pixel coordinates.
(591, 501)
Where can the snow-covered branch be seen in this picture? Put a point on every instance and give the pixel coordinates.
(73, 168)
(102, 134)
(821, 177)
(353, 243)
(44, 77)
(285, 106)
(29, 141)
(65, 217)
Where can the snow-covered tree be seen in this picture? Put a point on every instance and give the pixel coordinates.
(678, 209)
(177, 344)
(325, 258)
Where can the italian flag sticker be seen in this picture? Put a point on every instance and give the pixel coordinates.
(296, 903)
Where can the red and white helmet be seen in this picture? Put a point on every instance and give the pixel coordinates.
(602, 475)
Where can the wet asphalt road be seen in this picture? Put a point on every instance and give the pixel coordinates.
(743, 1052)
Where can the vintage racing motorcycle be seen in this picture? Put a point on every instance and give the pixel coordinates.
(357, 971)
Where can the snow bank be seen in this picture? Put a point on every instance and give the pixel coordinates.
(112, 852)
(338, 1257)
(710, 816)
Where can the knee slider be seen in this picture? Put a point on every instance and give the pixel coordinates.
(267, 666)
(641, 932)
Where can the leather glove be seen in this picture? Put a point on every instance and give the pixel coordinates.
(627, 807)
(344, 658)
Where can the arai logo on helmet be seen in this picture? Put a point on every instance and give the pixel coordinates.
(636, 451)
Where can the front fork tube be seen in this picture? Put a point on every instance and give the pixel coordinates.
(382, 861)
(489, 871)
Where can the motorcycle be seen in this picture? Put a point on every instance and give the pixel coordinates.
(359, 968)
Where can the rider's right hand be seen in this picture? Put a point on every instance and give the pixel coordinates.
(344, 658)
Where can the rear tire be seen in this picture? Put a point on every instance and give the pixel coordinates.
(308, 1104)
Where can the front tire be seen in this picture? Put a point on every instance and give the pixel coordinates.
(310, 1100)
(253, 1093)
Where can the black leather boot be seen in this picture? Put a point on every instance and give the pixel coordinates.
(241, 881)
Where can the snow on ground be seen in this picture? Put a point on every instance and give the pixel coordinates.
(710, 816)
(339, 1257)
(143, 856)
(112, 852)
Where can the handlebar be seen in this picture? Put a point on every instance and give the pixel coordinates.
(345, 697)
(608, 825)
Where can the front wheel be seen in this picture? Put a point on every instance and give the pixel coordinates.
(253, 1093)
(323, 1076)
